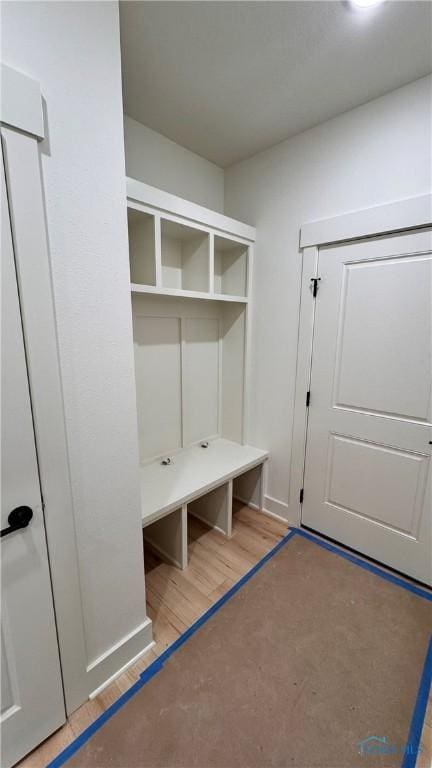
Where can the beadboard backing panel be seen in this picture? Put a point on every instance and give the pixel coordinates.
(157, 348)
(189, 368)
(233, 372)
(201, 378)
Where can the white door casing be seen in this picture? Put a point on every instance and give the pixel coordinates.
(32, 695)
(367, 470)
(22, 129)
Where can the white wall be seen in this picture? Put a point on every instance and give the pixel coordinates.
(73, 50)
(374, 154)
(158, 161)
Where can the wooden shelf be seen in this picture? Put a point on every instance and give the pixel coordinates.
(193, 472)
(138, 288)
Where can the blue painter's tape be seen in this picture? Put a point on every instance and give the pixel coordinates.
(222, 600)
(391, 577)
(91, 729)
(157, 665)
(417, 722)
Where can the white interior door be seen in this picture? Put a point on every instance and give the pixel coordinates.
(368, 455)
(32, 704)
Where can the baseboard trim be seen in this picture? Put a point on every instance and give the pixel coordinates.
(276, 508)
(110, 663)
(274, 516)
(265, 511)
(120, 671)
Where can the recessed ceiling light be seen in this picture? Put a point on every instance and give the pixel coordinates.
(366, 3)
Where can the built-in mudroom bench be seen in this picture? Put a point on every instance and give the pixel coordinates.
(200, 480)
(191, 277)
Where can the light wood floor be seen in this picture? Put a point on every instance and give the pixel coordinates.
(175, 599)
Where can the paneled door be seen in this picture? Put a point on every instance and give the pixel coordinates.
(368, 454)
(32, 705)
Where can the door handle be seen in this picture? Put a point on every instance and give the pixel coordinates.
(18, 518)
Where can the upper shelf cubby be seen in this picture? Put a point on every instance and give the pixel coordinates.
(141, 228)
(179, 248)
(185, 257)
(230, 267)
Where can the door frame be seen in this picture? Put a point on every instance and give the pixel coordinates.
(22, 129)
(399, 216)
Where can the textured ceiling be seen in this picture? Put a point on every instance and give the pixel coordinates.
(228, 79)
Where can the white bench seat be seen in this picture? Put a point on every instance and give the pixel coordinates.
(193, 472)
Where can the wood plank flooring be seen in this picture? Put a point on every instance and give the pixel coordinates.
(175, 599)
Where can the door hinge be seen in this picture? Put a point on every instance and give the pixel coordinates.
(301, 495)
(315, 281)
(307, 399)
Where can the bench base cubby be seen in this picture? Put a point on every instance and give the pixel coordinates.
(174, 490)
(168, 537)
(215, 508)
(249, 487)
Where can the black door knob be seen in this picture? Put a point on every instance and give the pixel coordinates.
(18, 518)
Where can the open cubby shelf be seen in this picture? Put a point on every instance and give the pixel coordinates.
(185, 257)
(191, 274)
(230, 267)
(141, 228)
(170, 257)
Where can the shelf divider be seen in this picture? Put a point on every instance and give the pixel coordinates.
(158, 251)
(211, 263)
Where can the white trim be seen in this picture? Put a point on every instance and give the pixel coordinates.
(411, 213)
(22, 112)
(274, 516)
(303, 372)
(247, 349)
(120, 671)
(264, 511)
(220, 378)
(168, 204)
(276, 508)
(211, 263)
(143, 627)
(27, 212)
(21, 102)
(158, 252)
